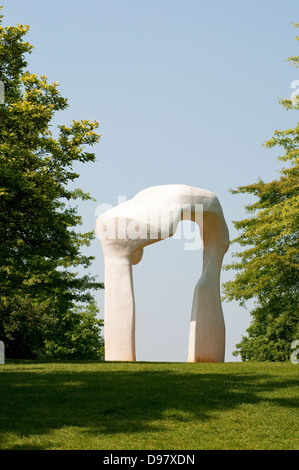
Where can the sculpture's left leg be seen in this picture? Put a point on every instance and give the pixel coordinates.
(119, 321)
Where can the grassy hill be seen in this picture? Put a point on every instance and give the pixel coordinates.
(149, 406)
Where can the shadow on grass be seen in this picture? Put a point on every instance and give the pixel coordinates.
(125, 401)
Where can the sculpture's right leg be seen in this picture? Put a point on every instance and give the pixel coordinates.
(207, 328)
(119, 316)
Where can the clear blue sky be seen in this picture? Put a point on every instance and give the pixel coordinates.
(186, 92)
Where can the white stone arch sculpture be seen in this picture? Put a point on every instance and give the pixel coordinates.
(151, 216)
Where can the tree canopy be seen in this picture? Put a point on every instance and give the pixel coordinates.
(46, 307)
(268, 265)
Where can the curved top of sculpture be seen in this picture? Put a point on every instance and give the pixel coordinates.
(154, 213)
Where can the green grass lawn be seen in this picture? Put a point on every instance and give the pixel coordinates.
(149, 406)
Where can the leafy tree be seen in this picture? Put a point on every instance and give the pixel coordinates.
(268, 266)
(40, 290)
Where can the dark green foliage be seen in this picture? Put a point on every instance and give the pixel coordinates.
(268, 267)
(40, 246)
